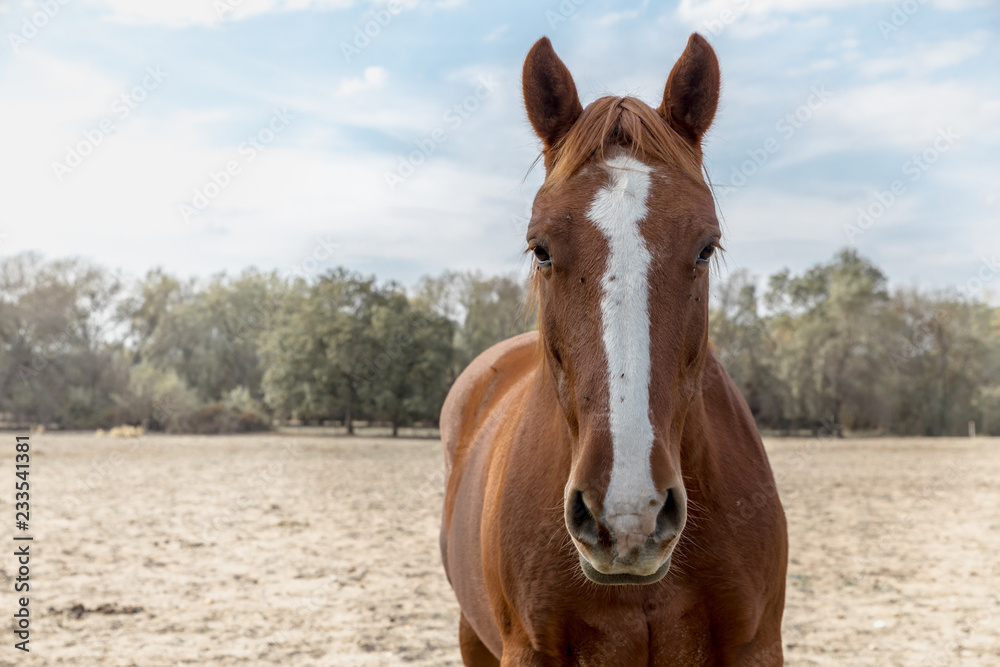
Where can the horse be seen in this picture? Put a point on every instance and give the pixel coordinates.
(608, 498)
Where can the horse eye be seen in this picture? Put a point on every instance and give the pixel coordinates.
(706, 254)
(541, 256)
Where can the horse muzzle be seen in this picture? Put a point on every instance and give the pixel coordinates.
(627, 547)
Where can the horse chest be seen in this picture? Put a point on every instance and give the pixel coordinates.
(604, 633)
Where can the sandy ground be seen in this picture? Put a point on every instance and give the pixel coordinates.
(298, 550)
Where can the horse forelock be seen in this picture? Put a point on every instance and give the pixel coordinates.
(610, 123)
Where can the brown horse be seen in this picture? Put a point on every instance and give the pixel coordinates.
(609, 501)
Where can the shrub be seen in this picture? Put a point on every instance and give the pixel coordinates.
(125, 431)
(241, 400)
(220, 418)
(156, 399)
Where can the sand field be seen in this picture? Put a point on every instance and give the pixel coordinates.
(304, 549)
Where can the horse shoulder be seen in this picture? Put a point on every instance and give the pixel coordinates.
(470, 424)
(482, 380)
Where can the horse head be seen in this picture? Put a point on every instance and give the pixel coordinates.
(622, 231)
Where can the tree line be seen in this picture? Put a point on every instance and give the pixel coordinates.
(82, 347)
(834, 348)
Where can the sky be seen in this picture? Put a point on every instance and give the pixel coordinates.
(390, 137)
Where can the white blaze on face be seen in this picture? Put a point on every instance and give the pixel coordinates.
(617, 210)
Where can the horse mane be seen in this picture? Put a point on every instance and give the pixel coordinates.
(624, 122)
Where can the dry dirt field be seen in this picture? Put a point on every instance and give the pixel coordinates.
(305, 550)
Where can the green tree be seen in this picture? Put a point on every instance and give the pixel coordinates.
(314, 353)
(57, 324)
(409, 375)
(486, 310)
(744, 345)
(207, 334)
(828, 325)
(947, 356)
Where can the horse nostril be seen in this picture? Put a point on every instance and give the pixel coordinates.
(668, 521)
(582, 523)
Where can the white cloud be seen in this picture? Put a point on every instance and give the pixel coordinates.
(754, 214)
(496, 32)
(702, 10)
(373, 77)
(907, 113)
(772, 229)
(325, 177)
(612, 18)
(924, 59)
(120, 207)
(183, 13)
(748, 19)
(955, 5)
(753, 18)
(821, 65)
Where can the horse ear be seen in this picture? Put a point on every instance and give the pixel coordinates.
(549, 93)
(692, 92)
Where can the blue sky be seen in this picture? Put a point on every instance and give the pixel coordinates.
(208, 135)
